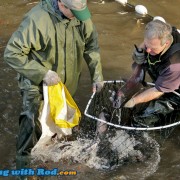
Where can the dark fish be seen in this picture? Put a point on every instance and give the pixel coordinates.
(101, 127)
(131, 87)
(104, 149)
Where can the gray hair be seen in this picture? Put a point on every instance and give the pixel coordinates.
(158, 29)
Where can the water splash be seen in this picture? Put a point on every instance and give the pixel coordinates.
(109, 153)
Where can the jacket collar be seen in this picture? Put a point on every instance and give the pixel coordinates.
(51, 6)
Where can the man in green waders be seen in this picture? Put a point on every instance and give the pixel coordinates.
(49, 46)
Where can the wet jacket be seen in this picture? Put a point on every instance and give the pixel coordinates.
(47, 40)
(171, 56)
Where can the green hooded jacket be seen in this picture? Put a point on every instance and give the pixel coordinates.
(45, 39)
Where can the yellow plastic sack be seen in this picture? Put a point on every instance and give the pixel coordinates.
(63, 109)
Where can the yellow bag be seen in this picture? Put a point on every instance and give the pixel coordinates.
(63, 109)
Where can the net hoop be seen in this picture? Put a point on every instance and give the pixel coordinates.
(127, 127)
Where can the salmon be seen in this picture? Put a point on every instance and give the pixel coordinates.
(131, 87)
(101, 127)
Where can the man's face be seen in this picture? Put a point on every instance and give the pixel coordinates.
(65, 10)
(154, 46)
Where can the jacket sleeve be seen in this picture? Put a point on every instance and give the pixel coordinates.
(91, 53)
(17, 53)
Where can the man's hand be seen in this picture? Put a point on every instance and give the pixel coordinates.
(97, 86)
(130, 103)
(51, 78)
(138, 55)
(145, 96)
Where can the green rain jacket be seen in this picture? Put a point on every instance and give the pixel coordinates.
(45, 38)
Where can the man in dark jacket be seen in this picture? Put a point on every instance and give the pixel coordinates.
(49, 46)
(160, 53)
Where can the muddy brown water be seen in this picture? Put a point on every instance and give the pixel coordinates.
(118, 28)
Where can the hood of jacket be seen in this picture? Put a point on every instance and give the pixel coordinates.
(52, 7)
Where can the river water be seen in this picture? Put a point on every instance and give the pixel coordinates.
(119, 28)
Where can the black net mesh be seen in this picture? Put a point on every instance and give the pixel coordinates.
(101, 103)
(118, 145)
(158, 113)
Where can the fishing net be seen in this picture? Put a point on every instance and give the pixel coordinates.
(131, 128)
(111, 140)
(108, 138)
(155, 115)
(116, 149)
